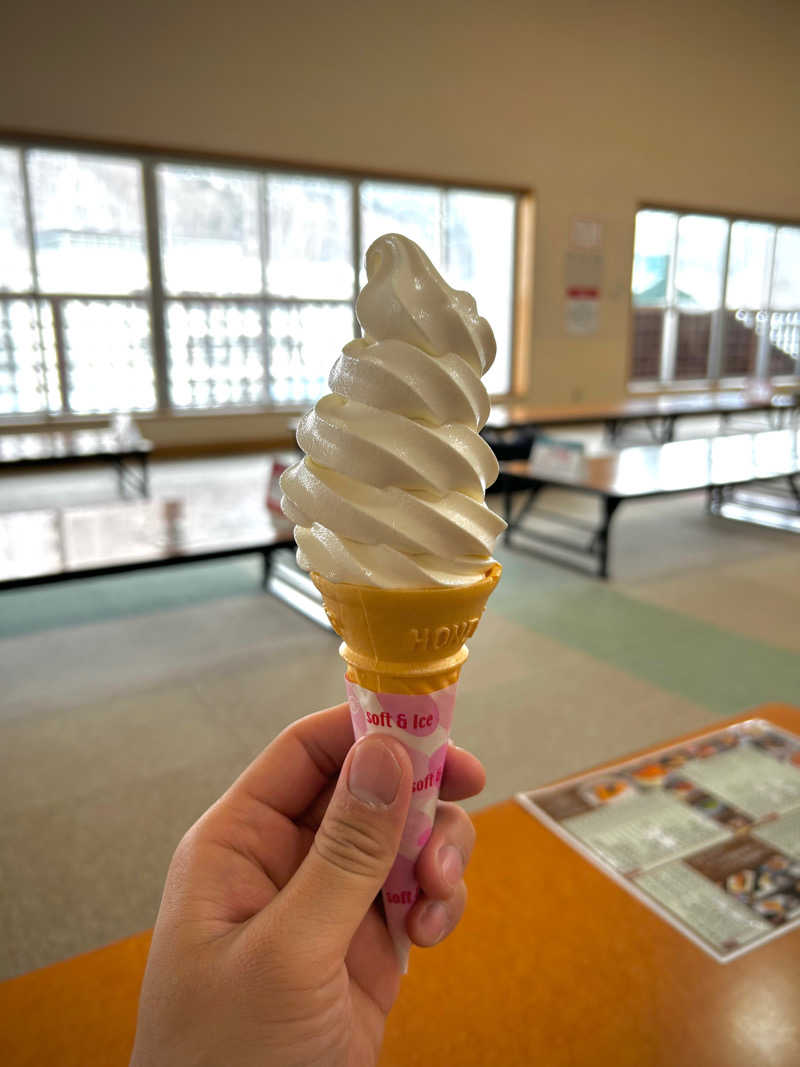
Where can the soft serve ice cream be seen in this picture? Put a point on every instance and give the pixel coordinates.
(391, 490)
(391, 521)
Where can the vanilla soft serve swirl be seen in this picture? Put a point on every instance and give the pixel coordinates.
(391, 490)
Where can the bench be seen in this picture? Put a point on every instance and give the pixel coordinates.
(716, 464)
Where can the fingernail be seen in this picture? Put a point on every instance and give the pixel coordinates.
(434, 921)
(451, 864)
(374, 773)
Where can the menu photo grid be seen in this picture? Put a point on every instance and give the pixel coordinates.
(706, 833)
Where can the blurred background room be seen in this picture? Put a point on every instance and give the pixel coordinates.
(186, 195)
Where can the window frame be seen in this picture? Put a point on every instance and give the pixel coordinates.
(156, 297)
(714, 379)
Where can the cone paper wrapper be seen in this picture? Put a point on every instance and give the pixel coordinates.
(404, 650)
(421, 722)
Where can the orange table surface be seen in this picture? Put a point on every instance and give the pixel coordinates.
(553, 964)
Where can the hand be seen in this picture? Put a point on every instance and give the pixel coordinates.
(270, 947)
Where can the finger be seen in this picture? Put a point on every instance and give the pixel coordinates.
(442, 862)
(430, 921)
(463, 776)
(325, 902)
(291, 771)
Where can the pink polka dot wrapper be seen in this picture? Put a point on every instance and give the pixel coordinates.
(422, 724)
(418, 829)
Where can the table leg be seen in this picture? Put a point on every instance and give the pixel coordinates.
(508, 500)
(656, 429)
(511, 520)
(118, 465)
(717, 495)
(267, 567)
(610, 505)
(145, 477)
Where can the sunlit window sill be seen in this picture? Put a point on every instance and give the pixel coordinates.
(71, 421)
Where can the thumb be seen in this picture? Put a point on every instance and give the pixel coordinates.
(353, 850)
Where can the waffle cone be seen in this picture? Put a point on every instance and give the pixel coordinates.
(405, 640)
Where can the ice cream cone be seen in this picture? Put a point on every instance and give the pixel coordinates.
(405, 640)
(404, 650)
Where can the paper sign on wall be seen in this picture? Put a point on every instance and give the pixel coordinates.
(583, 274)
(582, 311)
(585, 233)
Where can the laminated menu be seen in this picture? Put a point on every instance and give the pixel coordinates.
(706, 833)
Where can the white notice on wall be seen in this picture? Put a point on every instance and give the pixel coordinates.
(585, 233)
(583, 274)
(581, 311)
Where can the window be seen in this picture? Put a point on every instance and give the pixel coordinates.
(714, 298)
(74, 319)
(131, 282)
(469, 235)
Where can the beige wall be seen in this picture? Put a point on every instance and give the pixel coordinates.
(596, 107)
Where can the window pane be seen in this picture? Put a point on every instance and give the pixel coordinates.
(109, 360)
(304, 341)
(653, 248)
(28, 368)
(694, 336)
(701, 261)
(413, 210)
(216, 354)
(741, 341)
(648, 327)
(209, 230)
(310, 237)
(786, 280)
(749, 263)
(479, 236)
(88, 223)
(784, 338)
(15, 266)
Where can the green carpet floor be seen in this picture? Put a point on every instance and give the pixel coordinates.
(32, 610)
(718, 668)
